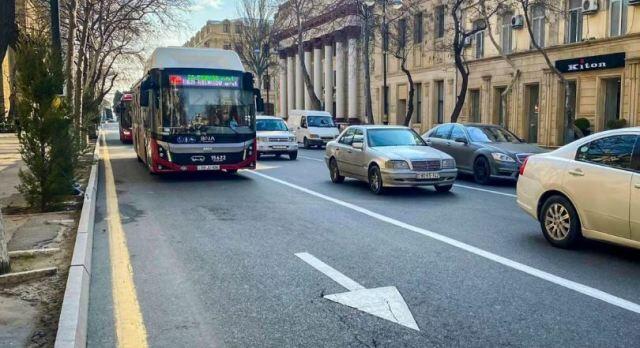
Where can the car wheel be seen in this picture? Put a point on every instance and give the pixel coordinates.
(560, 223)
(305, 143)
(375, 180)
(482, 171)
(335, 172)
(259, 155)
(443, 188)
(293, 155)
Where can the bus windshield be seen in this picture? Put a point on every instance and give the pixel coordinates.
(207, 110)
(125, 116)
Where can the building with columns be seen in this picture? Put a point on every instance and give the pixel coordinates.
(332, 56)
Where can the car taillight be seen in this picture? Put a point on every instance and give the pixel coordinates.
(524, 164)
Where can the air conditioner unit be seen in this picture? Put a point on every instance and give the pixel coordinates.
(517, 22)
(468, 40)
(590, 6)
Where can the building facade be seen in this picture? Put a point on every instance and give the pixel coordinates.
(221, 34)
(597, 51)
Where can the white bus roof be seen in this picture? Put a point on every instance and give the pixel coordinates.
(197, 58)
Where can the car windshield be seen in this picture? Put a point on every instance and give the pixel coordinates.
(320, 121)
(207, 110)
(394, 137)
(491, 135)
(271, 125)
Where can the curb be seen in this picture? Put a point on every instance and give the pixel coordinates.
(72, 325)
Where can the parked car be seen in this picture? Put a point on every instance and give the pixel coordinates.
(589, 188)
(274, 137)
(312, 128)
(485, 151)
(388, 156)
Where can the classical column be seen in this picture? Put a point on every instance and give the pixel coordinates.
(340, 78)
(307, 64)
(299, 83)
(282, 90)
(291, 84)
(328, 75)
(632, 75)
(317, 68)
(352, 66)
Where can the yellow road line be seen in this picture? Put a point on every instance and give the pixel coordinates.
(130, 329)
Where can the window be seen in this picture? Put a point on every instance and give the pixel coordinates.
(618, 17)
(226, 47)
(537, 14)
(457, 133)
(303, 122)
(418, 30)
(358, 136)
(615, 151)
(418, 103)
(402, 32)
(440, 101)
(443, 131)
(439, 22)
(226, 27)
(574, 21)
(347, 138)
(474, 114)
(479, 38)
(506, 34)
(238, 28)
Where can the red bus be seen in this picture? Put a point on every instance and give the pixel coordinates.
(195, 110)
(124, 110)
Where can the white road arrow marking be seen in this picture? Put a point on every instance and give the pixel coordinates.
(386, 302)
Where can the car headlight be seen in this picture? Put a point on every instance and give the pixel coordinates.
(448, 163)
(500, 157)
(292, 139)
(313, 136)
(397, 164)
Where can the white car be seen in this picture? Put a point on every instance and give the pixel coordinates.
(274, 137)
(312, 128)
(589, 188)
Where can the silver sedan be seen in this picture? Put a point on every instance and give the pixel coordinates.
(388, 156)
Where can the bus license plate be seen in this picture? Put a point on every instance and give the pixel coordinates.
(428, 175)
(209, 167)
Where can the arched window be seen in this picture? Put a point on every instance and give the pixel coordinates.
(506, 32)
(537, 23)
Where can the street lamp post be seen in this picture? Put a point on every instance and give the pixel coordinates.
(395, 4)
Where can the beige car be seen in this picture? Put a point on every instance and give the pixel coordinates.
(389, 156)
(589, 188)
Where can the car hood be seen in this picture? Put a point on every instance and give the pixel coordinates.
(281, 134)
(513, 148)
(410, 153)
(324, 131)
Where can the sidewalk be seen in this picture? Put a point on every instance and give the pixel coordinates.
(29, 311)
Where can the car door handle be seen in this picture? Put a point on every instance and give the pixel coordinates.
(576, 172)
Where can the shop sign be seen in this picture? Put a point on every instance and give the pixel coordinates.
(605, 61)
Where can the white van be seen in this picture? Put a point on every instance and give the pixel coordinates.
(312, 128)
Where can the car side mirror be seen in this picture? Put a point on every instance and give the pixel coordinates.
(462, 140)
(358, 145)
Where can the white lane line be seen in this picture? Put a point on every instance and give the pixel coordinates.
(485, 190)
(330, 272)
(569, 284)
(311, 158)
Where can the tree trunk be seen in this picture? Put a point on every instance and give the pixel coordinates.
(458, 51)
(5, 265)
(3, 109)
(367, 69)
(412, 90)
(80, 61)
(71, 39)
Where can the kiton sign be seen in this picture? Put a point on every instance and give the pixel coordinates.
(606, 61)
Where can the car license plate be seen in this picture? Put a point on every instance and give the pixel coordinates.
(279, 147)
(428, 175)
(209, 167)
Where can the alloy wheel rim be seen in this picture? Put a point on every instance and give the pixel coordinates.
(334, 170)
(375, 183)
(482, 172)
(557, 221)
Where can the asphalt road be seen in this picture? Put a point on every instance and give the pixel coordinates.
(213, 262)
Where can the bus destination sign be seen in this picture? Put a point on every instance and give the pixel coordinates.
(205, 81)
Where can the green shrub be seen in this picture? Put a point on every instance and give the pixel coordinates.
(583, 124)
(617, 124)
(47, 145)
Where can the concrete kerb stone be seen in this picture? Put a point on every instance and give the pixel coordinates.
(72, 326)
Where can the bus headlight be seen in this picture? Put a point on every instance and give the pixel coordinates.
(163, 153)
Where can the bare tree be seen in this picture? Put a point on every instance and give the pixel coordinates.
(8, 37)
(368, 19)
(5, 264)
(252, 42)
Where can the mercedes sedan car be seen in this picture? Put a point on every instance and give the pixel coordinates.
(485, 151)
(388, 156)
(589, 188)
